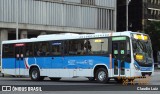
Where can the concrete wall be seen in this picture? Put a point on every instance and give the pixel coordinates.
(3, 36)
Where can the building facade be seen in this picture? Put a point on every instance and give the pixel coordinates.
(151, 11)
(35, 17)
(140, 13)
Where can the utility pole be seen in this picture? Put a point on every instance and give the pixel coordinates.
(17, 12)
(127, 4)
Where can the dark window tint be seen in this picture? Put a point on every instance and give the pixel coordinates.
(29, 49)
(56, 48)
(41, 49)
(86, 46)
(8, 50)
(74, 47)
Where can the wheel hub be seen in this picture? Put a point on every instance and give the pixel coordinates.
(101, 75)
(34, 74)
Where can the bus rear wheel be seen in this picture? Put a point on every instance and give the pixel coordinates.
(102, 75)
(55, 79)
(35, 74)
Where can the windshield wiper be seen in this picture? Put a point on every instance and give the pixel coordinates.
(140, 46)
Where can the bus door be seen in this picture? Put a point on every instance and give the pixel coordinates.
(119, 52)
(19, 59)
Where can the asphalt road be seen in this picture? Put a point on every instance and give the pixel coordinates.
(82, 82)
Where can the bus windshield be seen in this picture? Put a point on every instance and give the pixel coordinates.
(143, 47)
(142, 50)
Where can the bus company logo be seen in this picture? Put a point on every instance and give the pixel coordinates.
(6, 88)
(144, 80)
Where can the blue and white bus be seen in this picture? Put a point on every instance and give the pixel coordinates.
(98, 56)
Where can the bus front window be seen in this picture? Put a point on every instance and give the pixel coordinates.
(142, 52)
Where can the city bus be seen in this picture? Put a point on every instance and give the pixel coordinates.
(99, 56)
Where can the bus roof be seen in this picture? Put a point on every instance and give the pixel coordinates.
(65, 36)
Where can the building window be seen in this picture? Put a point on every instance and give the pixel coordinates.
(88, 2)
(105, 19)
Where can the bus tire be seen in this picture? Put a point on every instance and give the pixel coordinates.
(102, 75)
(55, 79)
(35, 74)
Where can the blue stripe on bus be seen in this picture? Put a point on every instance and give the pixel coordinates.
(70, 62)
(143, 68)
(126, 64)
(8, 63)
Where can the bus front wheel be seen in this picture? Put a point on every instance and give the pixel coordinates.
(102, 75)
(35, 74)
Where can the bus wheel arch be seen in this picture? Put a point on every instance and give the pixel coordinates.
(101, 70)
(34, 73)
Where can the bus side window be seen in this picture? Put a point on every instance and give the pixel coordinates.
(8, 50)
(27, 52)
(65, 48)
(41, 49)
(72, 47)
(97, 46)
(56, 51)
(75, 47)
(45, 48)
(87, 45)
(56, 48)
(29, 49)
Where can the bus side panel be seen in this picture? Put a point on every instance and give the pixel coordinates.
(127, 69)
(48, 66)
(8, 66)
(84, 65)
(69, 66)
